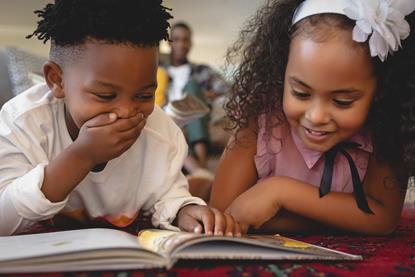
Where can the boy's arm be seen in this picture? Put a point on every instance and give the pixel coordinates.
(24, 170)
(32, 188)
(70, 167)
(174, 205)
(22, 203)
(101, 139)
(64, 173)
(174, 194)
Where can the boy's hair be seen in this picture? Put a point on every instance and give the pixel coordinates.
(71, 23)
(262, 49)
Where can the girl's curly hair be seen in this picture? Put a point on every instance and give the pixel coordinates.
(262, 52)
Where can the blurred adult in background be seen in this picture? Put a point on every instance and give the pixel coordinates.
(201, 81)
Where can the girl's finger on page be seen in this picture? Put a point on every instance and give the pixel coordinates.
(237, 229)
(230, 225)
(208, 219)
(244, 228)
(220, 222)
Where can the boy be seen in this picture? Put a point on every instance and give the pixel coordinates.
(89, 143)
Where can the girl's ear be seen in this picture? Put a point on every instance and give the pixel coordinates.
(53, 77)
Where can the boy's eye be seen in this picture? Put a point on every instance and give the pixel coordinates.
(105, 96)
(145, 97)
(343, 103)
(301, 95)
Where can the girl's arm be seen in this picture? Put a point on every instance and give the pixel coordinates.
(384, 190)
(236, 172)
(288, 222)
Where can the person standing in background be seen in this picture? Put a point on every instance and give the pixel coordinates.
(199, 80)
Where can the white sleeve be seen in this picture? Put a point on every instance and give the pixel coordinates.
(22, 203)
(176, 189)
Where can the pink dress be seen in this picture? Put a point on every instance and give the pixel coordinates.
(281, 153)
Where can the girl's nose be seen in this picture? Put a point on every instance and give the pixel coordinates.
(317, 113)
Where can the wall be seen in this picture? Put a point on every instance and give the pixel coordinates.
(17, 20)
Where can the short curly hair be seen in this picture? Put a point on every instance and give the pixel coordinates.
(70, 23)
(262, 53)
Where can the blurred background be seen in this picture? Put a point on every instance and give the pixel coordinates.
(215, 24)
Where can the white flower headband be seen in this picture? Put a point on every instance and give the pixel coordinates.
(381, 20)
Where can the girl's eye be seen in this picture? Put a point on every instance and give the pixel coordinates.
(343, 103)
(301, 95)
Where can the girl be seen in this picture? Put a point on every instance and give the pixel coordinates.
(323, 113)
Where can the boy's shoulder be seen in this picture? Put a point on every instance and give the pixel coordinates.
(161, 125)
(27, 102)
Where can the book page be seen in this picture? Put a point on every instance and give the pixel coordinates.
(239, 251)
(163, 241)
(256, 247)
(181, 245)
(48, 244)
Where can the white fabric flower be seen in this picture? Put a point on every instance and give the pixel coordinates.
(382, 20)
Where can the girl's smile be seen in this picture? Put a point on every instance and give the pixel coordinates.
(315, 135)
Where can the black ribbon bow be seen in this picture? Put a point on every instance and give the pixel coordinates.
(325, 183)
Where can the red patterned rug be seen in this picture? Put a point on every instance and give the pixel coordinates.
(392, 255)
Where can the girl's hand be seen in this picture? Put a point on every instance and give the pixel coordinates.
(195, 218)
(106, 137)
(255, 206)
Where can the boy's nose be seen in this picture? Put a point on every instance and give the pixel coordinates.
(317, 113)
(126, 111)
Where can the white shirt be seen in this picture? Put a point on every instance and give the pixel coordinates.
(145, 177)
(180, 76)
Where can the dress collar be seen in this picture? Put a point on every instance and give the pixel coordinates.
(312, 156)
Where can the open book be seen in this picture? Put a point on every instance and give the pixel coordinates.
(108, 249)
(185, 110)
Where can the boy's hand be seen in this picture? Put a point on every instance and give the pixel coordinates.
(106, 137)
(195, 218)
(255, 206)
